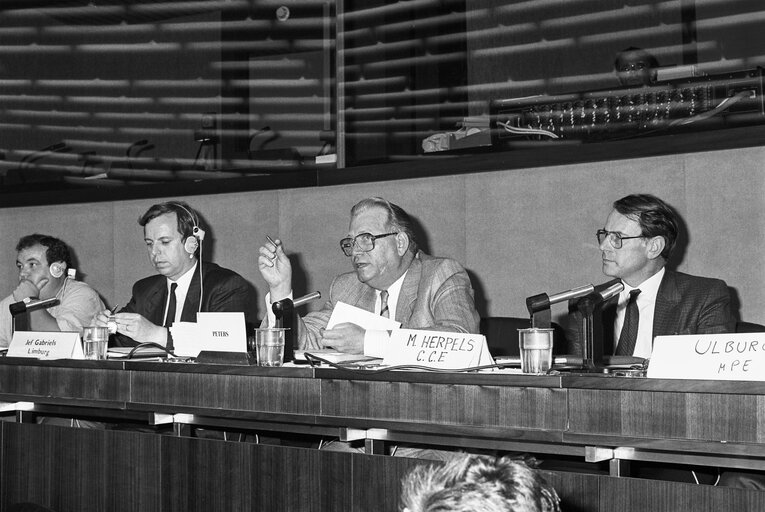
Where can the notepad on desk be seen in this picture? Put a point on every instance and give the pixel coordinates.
(140, 352)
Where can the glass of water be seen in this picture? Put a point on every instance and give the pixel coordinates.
(94, 342)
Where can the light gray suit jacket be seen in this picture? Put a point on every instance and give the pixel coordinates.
(436, 295)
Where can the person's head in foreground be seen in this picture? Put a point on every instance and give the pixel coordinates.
(477, 483)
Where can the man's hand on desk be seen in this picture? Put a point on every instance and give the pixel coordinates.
(135, 326)
(276, 269)
(345, 337)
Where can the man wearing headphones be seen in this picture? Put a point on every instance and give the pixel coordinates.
(173, 241)
(43, 262)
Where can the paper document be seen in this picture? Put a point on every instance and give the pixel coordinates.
(346, 313)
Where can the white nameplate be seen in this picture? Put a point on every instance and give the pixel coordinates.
(435, 349)
(46, 345)
(709, 356)
(221, 332)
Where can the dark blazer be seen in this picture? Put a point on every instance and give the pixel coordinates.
(224, 291)
(436, 295)
(685, 304)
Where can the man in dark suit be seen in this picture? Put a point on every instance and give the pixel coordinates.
(391, 277)
(173, 240)
(635, 244)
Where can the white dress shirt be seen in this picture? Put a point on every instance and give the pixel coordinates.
(376, 342)
(181, 291)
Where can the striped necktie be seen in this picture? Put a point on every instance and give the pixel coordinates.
(384, 304)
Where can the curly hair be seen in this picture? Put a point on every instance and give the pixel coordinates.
(478, 483)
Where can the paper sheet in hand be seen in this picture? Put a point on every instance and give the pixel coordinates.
(346, 313)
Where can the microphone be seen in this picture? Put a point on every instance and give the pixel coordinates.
(30, 304)
(543, 301)
(306, 298)
(609, 289)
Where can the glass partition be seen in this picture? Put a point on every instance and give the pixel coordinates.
(117, 94)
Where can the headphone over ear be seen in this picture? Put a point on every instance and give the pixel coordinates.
(56, 269)
(197, 234)
(191, 244)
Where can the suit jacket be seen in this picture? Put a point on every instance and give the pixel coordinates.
(224, 291)
(685, 304)
(436, 294)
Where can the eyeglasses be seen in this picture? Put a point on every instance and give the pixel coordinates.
(365, 242)
(614, 238)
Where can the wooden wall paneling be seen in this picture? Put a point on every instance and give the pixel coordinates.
(636, 495)
(578, 492)
(377, 481)
(80, 470)
(203, 475)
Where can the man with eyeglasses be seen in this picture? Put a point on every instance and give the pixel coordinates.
(391, 277)
(635, 244)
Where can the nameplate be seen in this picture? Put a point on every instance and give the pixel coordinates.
(45, 345)
(709, 356)
(220, 332)
(434, 349)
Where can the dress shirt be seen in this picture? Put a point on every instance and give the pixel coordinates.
(183, 283)
(646, 303)
(375, 342)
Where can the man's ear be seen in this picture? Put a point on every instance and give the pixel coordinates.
(656, 246)
(402, 243)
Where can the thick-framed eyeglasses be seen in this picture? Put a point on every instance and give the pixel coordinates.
(365, 242)
(614, 238)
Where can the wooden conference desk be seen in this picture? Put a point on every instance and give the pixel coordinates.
(593, 417)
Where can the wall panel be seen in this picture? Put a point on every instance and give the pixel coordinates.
(517, 232)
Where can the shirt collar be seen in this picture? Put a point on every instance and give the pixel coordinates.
(648, 288)
(185, 280)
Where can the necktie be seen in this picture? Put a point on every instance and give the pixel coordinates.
(384, 304)
(170, 317)
(628, 336)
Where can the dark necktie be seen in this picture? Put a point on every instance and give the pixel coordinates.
(170, 317)
(628, 336)
(384, 304)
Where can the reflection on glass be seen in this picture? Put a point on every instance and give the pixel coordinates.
(150, 91)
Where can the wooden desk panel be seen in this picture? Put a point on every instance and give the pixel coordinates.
(445, 404)
(171, 390)
(64, 380)
(668, 415)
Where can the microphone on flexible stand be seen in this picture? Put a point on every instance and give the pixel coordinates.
(284, 310)
(591, 307)
(20, 311)
(539, 305)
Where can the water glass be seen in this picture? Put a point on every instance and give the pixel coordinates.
(94, 342)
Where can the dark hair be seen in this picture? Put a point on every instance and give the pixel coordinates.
(398, 219)
(55, 249)
(187, 217)
(655, 217)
